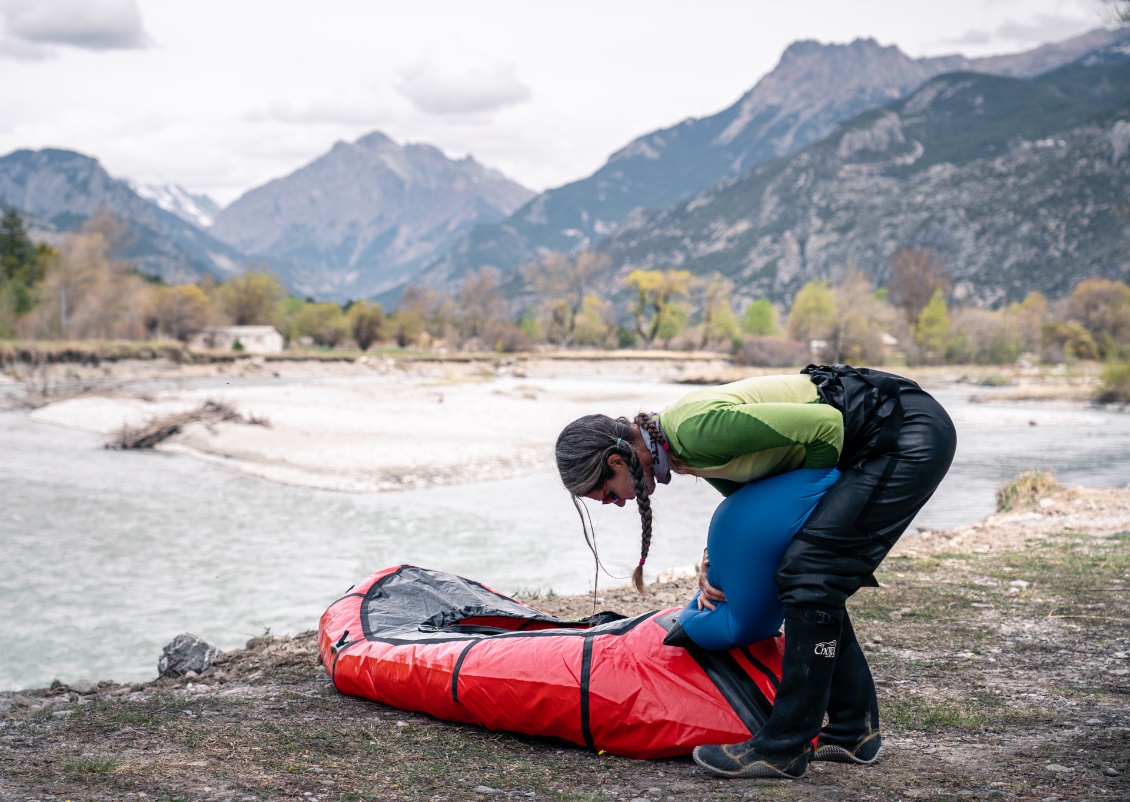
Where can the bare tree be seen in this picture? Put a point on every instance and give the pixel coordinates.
(561, 284)
(859, 322)
(1120, 11)
(719, 324)
(88, 295)
(480, 302)
(1102, 307)
(915, 274)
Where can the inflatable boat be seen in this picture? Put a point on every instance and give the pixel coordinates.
(437, 643)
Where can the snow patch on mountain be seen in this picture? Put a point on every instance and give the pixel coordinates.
(200, 210)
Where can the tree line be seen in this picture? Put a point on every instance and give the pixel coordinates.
(79, 290)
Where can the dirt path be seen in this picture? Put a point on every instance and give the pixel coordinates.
(1001, 654)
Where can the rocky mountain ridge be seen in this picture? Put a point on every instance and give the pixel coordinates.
(366, 216)
(1020, 185)
(814, 88)
(62, 188)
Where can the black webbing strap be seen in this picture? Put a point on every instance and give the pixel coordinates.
(828, 376)
(888, 388)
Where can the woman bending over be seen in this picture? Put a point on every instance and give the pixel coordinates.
(892, 443)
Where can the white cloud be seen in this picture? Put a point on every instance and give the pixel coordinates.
(32, 27)
(1043, 28)
(1036, 30)
(438, 91)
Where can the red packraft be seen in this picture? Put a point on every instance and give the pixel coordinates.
(440, 644)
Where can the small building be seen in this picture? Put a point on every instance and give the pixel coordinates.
(248, 339)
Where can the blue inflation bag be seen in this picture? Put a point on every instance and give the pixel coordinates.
(748, 534)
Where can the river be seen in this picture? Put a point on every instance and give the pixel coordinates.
(106, 556)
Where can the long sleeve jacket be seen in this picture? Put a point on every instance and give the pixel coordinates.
(751, 429)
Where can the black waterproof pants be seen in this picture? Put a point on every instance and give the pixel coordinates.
(892, 475)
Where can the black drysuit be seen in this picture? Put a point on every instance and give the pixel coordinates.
(898, 444)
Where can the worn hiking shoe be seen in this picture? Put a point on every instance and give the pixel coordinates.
(864, 752)
(742, 760)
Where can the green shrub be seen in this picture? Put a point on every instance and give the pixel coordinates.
(1115, 386)
(1025, 490)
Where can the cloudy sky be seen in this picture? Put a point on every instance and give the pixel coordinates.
(223, 95)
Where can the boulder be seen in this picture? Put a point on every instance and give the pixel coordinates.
(186, 653)
(83, 686)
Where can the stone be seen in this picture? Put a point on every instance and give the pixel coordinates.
(83, 686)
(186, 653)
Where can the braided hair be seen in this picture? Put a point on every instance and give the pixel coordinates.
(582, 452)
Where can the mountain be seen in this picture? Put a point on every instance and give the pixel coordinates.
(63, 188)
(200, 210)
(366, 216)
(814, 88)
(1019, 184)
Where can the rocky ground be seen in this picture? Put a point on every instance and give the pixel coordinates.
(1001, 653)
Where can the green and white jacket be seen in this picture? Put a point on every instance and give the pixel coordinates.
(752, 429)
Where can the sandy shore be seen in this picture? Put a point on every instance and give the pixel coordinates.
(378, 424)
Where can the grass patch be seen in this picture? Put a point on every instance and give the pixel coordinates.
(114, 716)
(1066, 576)
(90, 765)
(1026, 490)
(928, 715)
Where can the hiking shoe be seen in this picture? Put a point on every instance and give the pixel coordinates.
(742, 760)
(865, 752)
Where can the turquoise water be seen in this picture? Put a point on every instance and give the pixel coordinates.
(106, 556)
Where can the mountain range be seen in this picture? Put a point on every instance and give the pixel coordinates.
(1009, 166)
(367, 216)
(811, 91)
(1019, 184)
(61, 189)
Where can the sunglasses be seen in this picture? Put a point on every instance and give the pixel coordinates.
(608, 496)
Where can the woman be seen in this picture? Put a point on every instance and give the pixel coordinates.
(893, 443)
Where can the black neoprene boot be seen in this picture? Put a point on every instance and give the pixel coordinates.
(783, 747)
(852, 732)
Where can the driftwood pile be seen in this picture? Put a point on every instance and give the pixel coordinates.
(162, 428)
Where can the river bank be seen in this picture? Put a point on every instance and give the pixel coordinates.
(375, 424)
(1001, 653)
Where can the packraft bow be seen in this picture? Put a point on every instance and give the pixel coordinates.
(440, 644)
